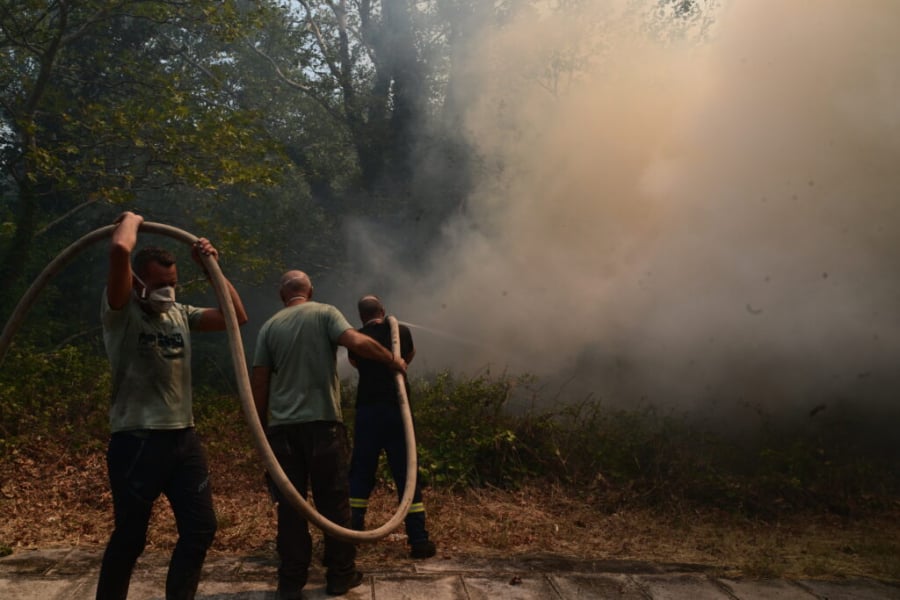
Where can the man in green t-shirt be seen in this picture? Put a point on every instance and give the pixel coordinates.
(297, 394)
(153, 448)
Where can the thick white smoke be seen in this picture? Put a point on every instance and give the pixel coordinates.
(694, 223)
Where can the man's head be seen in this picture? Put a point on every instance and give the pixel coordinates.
(370, 307)
(155, 267)
(155, 278)
(295, 285)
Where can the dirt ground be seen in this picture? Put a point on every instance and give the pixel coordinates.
(60, 500)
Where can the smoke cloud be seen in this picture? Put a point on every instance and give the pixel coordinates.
(693, 224)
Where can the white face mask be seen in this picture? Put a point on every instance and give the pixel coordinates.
(160, 300)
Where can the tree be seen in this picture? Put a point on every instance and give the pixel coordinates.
(365, 110)
(101, 102)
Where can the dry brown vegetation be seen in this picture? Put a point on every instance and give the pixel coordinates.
(52, 498)
(586, 482)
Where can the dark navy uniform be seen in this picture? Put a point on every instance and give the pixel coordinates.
(379, 426)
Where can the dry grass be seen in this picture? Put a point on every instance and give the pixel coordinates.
(53, 499)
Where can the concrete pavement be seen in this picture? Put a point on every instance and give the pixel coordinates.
(71, 574)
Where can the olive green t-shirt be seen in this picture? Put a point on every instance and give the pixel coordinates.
(150, 356)
(299, 345)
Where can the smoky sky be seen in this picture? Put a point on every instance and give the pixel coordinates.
(710, 220)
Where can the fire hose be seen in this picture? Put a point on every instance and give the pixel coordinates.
(243, 381)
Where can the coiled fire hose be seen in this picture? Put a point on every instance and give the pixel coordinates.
(243, 380)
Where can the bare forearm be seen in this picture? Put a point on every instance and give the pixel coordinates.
(365, 347)
(213, 319)
(239, 310)
(369, 348)
(123, 241)
(125, 235)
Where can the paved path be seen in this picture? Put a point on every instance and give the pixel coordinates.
(71, 574)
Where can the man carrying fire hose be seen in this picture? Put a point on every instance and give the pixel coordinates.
(297, 394)
(153, 449)
(379, 425)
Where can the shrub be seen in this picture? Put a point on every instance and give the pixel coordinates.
(473, 431)
(60, 393)
(468, 436)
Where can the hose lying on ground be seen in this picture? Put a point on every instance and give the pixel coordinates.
(243, 380)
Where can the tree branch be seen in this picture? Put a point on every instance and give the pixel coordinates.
(323, 46)
(284, 78)
(294, 84)
(65, 216)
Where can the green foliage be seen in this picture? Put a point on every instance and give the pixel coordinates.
(467, 436)
(112, 102)
(145, 116)
(471, 433)
(60, 394)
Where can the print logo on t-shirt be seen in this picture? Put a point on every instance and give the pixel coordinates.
(166, 345)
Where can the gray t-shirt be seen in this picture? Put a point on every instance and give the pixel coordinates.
(150, 356)
(299, 344)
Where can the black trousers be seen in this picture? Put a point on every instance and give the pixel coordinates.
(314, 456)
(142, 465)
(380, 427)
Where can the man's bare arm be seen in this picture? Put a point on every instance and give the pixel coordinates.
(259, 383)
(213, 319)
(366, 347)
(124, 239)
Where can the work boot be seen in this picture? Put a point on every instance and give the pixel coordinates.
(295, 595)
(289, 592)
(417, 535)
(425, 549)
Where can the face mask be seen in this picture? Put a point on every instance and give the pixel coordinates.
(160, 300)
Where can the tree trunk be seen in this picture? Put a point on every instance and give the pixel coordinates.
(15, 255)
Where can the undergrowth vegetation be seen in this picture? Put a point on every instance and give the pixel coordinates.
(490, 431)
(470, 433)
(61, 395)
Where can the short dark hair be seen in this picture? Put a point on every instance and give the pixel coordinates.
(150, 254)
(369, 307)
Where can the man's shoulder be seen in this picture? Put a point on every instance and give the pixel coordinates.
(323, 307)
(300, 310)
(371, 327)
(384, 327)
(272, 320)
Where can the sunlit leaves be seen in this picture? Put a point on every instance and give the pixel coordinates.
(124, 107)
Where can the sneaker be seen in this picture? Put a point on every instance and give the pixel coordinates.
(425, 549)
(339, 588)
